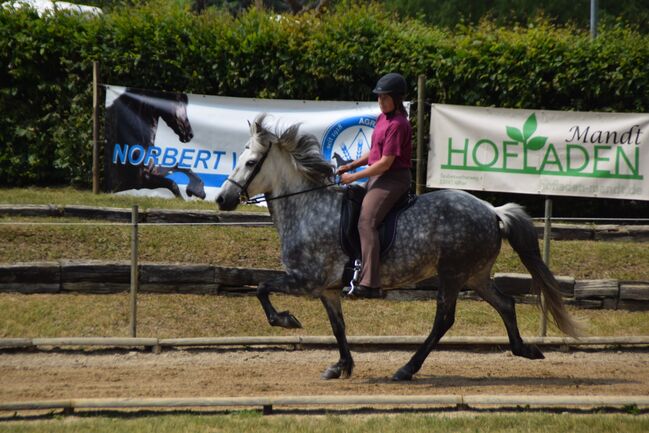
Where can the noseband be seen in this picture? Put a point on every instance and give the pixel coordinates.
(255, 172)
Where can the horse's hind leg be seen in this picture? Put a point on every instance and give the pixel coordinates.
(444, 319)
(196, 186)
(343, 368)
(504, 304)
(159, 181)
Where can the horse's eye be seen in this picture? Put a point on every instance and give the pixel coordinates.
(251, 163)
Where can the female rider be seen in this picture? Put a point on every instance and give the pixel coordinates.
(388, 169)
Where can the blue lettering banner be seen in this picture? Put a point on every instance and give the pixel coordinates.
(185, 145)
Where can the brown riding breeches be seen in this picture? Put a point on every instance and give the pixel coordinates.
(382, 193)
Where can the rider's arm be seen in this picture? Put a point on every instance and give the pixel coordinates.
(378, 168)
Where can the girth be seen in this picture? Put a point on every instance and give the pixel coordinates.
(349, 237)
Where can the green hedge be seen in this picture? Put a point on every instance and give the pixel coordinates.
(46, 68)
(507, 12)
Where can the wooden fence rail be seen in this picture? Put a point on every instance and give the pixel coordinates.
(267, 403)
(300, 342)
(67, 276)
(560, 231)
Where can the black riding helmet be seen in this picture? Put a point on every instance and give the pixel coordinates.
(392, 83)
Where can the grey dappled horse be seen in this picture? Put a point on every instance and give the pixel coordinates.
(447, 233)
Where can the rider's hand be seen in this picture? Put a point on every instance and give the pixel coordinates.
(343, 169)
(346, 178)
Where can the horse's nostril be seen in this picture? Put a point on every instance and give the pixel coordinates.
(219, 200)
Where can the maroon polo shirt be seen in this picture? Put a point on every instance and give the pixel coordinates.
(392, 136)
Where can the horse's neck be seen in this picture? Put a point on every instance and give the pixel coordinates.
(144, 124)
(318, 209)
(150, 124)
(284, 207)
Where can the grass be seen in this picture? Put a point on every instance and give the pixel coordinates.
(259, 247)
(252, 422)
(171, 316)
(226, 246)
(71, 196)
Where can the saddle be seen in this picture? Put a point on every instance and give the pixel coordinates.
(350, 240)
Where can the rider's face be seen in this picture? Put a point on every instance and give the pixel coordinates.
(386, 103)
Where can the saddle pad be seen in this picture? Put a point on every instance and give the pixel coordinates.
(351, 209)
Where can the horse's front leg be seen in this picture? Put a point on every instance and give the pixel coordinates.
(288, 284)
(343, 368)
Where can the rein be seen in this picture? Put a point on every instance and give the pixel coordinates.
(267, 199)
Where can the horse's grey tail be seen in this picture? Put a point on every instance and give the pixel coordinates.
(521, 234)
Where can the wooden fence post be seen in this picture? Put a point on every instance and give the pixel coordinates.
(95, 127)
(421, 110)
(547, 234)
(134, 272)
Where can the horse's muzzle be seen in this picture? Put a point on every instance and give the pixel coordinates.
(187, 136)
(227, 203)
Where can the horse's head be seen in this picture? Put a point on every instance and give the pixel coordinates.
(173, 110)
(252, 175)
(274, 163)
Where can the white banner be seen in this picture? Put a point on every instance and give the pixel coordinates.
(539, 152)
(165, 151)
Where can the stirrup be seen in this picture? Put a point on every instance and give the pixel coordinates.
(349, 291)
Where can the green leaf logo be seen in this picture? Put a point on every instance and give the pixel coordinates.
(536, 143)
(529, 127)
(515, 134)
(525, 136)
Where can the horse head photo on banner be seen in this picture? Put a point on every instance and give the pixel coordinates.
(446, 233)
(132, 122)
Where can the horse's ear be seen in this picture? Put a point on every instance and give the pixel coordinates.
(258, 126)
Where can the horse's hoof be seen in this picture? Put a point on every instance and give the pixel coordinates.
(286, 320)
(338, 370)
(530, 352)
(333, 372)
(535, 353)
(197, 192)
(402, 374)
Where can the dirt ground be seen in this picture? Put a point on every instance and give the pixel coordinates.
(67, 374)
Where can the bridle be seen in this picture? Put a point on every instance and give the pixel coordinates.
(255, 171)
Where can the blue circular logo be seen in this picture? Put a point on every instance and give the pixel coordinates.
(348, 139)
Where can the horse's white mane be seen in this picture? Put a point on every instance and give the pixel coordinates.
(304, 150)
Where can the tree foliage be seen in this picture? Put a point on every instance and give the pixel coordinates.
(46, 68)
(450, 13)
